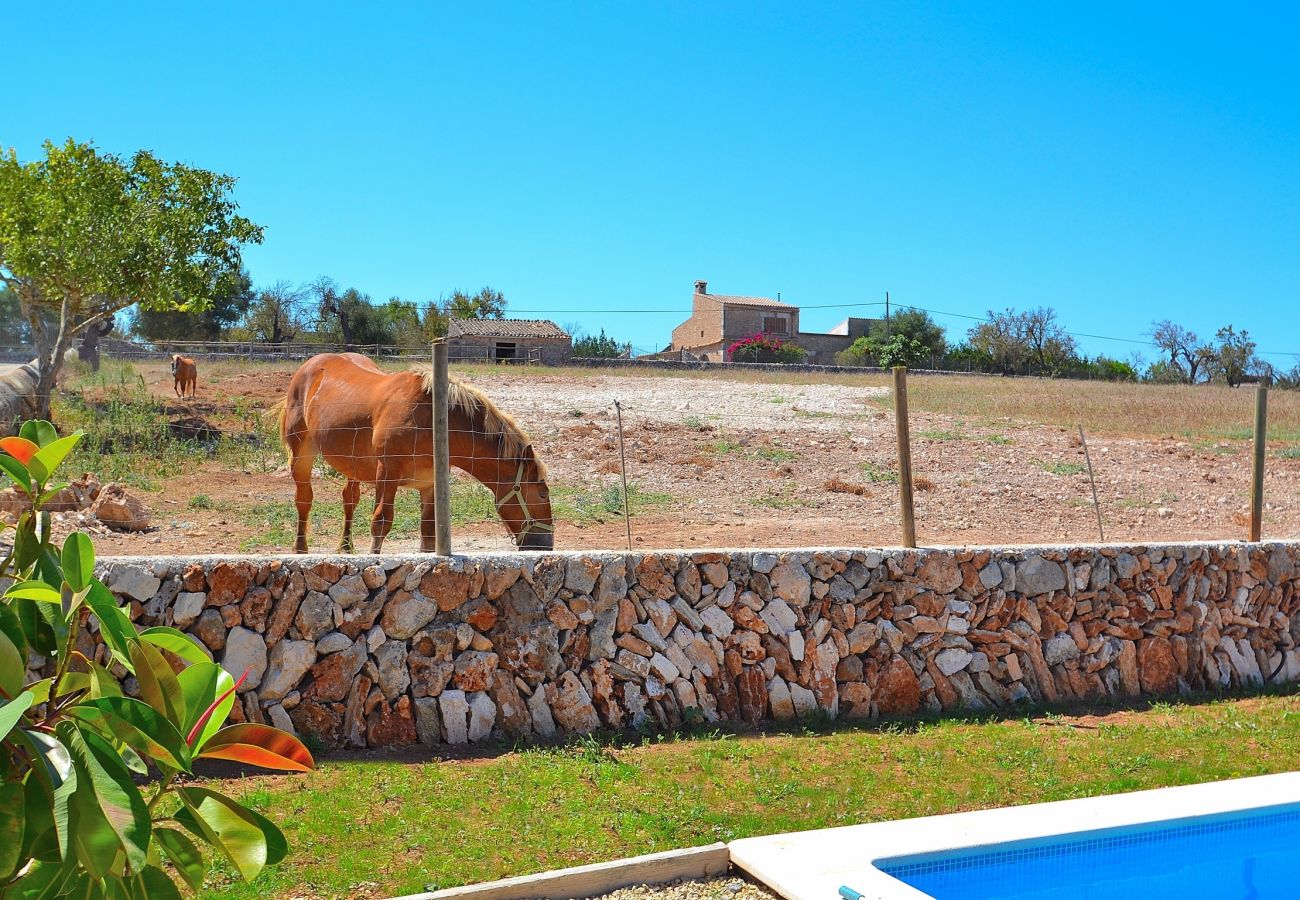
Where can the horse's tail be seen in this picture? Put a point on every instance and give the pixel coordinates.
(279, 412)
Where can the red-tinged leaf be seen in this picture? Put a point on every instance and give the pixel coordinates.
(199, 726)
(259, 745)
(20, 449)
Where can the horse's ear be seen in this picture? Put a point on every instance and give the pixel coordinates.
(528, 452)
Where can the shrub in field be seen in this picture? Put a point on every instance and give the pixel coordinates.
(765, 348)
(92, 799)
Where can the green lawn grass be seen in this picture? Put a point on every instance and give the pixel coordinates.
(393, 826)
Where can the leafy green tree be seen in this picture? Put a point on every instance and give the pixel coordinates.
(599, 347)
(231, 299)
(486, 304)
(85, 234)
(82, 812)
(13, 329)
(902, 350)
(915, 324)
(402, 319)
(1233, 357)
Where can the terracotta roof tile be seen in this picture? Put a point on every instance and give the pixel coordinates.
(732, 300)
(505, 328)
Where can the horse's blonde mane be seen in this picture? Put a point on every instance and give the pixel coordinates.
(495, 422)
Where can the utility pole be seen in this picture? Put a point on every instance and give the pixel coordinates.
(886, 315)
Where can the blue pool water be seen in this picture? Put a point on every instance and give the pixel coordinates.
(1253, 855)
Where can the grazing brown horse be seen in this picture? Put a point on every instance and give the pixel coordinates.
(378, 428)
(184, 374)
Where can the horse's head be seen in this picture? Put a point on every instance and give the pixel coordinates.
(524, 502)
(176, 361)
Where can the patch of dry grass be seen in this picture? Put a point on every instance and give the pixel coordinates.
(1102, 407)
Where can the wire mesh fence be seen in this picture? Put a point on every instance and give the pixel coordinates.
(706, 460)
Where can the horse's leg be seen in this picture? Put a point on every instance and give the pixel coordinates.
(300, 464)
(385, 488)
(428, 543)
(351, 494)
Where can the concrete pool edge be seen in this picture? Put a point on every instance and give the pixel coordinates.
(815, 864)
(597, 878)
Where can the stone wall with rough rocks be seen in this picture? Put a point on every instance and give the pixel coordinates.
(387, 651)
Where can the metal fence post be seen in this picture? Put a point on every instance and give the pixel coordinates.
(441, 454)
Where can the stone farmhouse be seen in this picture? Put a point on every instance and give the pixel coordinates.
(509, 341)
(718, 320)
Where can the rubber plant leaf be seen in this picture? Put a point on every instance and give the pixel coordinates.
(19, 448)
(158, 685)
(17, 472)
(226, 825)
(153, 884)
(105, 782)
(170, 639)
(139, 726)
(114, 625)
(13, 669)
(38, 431)
(259, 745)
(13, 818)
(78, 561)
(12, 712)
(34, 590)
(183, 855)
(47, 459)
(205, 685)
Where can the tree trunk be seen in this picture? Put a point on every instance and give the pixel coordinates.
(49, 355)
(88, 347)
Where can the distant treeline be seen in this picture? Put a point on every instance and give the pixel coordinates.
(1034, 342)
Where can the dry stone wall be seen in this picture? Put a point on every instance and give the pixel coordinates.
(389, 651)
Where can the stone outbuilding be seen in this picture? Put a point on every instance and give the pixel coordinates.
(718, 320)
(509, 341)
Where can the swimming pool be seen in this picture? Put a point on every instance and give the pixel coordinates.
(1223, 840)
(1230, 856)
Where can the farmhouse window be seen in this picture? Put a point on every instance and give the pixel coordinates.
(504, 350)
(776, 325)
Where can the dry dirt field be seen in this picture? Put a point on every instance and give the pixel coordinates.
(729, 459)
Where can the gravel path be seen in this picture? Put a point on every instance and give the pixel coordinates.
(724, 887)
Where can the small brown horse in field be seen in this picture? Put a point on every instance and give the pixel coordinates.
(184, 374)
(378, 428)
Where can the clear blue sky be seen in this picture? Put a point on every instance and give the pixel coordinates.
(1120, 162)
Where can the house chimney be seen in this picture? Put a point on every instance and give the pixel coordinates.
(701, 287)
